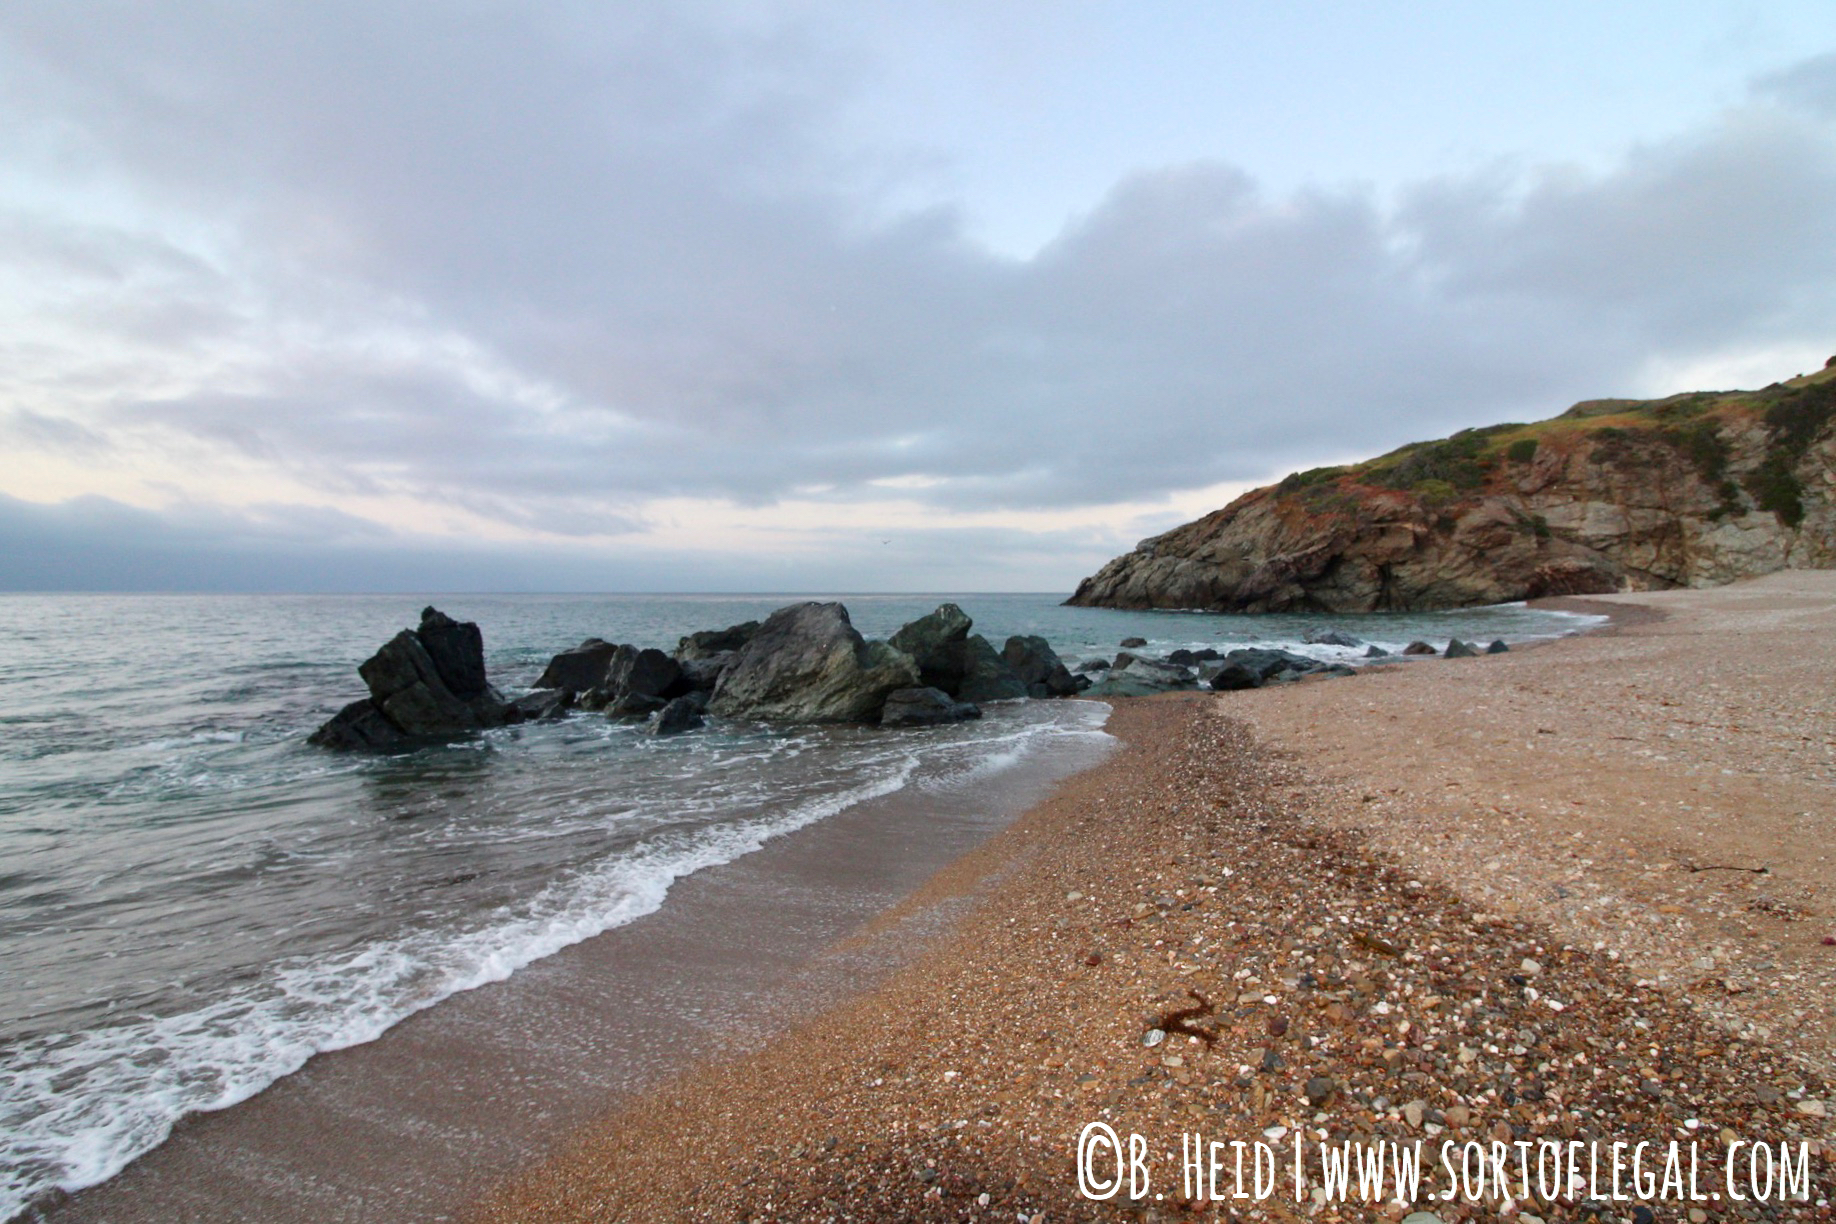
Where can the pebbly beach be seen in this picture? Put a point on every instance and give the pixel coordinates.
(1575, 895)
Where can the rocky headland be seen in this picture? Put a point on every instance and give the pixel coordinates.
(1694, 490)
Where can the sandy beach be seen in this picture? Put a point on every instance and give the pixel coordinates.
(1577, 893)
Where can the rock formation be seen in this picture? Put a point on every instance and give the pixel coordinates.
(808, 664)
(1692, 490)
(425, 684)
(951, 659)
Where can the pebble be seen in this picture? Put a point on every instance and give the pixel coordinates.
(1421, 1217)
(1153, 1037)
(1319, 1088)
(1815, 1109)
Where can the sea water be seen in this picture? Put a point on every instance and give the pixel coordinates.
(193, 901)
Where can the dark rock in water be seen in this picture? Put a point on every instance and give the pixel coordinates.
(924, 707)
(1038, 666)
(360, 727)
(545, 704)
(1119, 684)
(1268, 662)
(424, 684)
(1164, 677)
(711, 642)
(1456, 649)
(1207, 655)
(807, 663)
(647, 673)
(1233, 676)
(975, 671)
(579, 669)
(634, 705)
(1123, 659)
(1183, 658)
(1093, 665)
(1126, 643)
(1419, 648)
(1081, 680)
(1376, 652)
(679, 715)
(701, 674)
(1497, 647)
(1330, 637)
(457, 651)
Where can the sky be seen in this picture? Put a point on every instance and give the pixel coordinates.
(846, 296)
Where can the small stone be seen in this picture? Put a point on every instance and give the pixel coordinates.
(1421, 1217)
(1413, 1112)
(1815, 1109)
(1318, 1089)
(1153, 1037)
(1698, 1216)
(1458, 1115)
(1530, 968)
(1642, 1214)
(1278, 1026)
(1271, 1061)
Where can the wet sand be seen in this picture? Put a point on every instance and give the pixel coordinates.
(1478, 900)
(419, 1123)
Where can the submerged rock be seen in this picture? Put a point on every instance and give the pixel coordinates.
(678, 715)
(1330, 637)
(1376, 652)
(923, 707)
(425, 684)
(807, 663)
(1129, 642)
(545, 704)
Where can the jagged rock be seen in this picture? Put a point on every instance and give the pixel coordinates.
(1123, 659)
(807, 663)
(424, 684)
(702, 673)
(1132, 642)
(1330, 637)
(984, 675)
(1497, 647)
(647, 672)
(633, 705)
(923, 707)
(1456, 649)
(680, 714)
(1093, 665)
(1038, 666)
(1376, 652)
(711, 642)
(545, 704)
(1116, 684)
(1163, 677)
(579, 669)
(1692, 490)
(1419, 648)
(1268, 663)
(1233, 676)
(929, 634)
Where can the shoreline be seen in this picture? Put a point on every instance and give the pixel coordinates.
(424, 1118)
(967, 1072)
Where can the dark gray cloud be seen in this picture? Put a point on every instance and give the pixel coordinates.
(550, 264)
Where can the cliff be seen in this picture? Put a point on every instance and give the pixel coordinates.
(1693, 490)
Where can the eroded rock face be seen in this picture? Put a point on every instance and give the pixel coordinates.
(425, 684)
(710, 643)
(1613, 495)
(808, 664)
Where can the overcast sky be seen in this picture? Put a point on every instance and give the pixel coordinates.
(846, 296)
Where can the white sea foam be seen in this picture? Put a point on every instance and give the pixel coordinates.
(75, 1109)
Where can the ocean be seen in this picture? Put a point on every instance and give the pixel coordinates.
(193, 902)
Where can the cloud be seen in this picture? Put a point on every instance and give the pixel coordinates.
(546, 267)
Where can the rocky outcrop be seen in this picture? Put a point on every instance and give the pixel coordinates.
(425, 684)
(1038, 666)
(579, 670)
(808, 664)
(1693, 490)
(713, 643)
(679, 714)
(949, 658)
